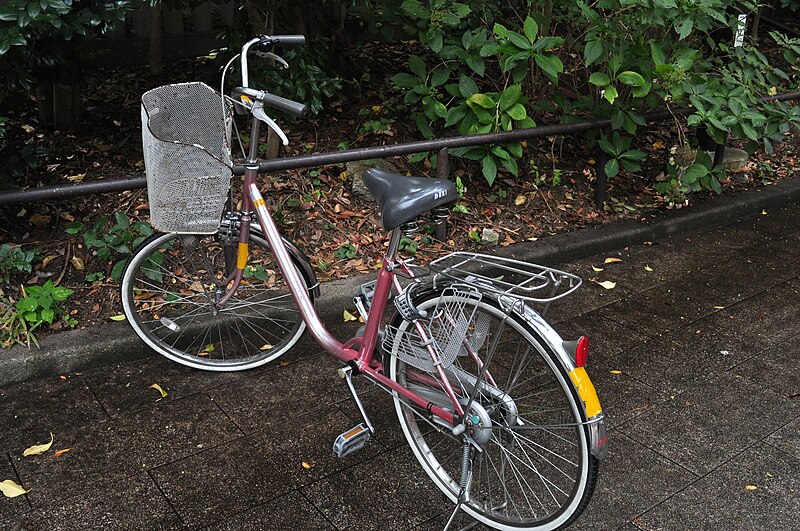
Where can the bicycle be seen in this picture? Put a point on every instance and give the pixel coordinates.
(497, 408)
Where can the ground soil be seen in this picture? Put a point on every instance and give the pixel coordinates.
(320, 212)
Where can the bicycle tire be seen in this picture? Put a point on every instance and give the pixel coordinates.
(540, 466)
(168, 288)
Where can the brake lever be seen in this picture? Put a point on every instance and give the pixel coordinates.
(258, 112)
(275, 57)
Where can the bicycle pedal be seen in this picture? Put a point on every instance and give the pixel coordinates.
(351, 441)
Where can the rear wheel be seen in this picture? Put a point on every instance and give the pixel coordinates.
(529, 459)
(170, 289)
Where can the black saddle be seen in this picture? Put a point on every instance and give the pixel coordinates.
(402, 198)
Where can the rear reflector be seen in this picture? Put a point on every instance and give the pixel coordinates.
(582, 351)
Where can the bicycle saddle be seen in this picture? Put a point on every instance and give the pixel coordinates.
(402, 198)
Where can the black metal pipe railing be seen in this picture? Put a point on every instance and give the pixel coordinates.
(351, 155)
(779, 26)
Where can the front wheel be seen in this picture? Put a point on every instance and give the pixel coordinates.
(170, 290)
(529, 462)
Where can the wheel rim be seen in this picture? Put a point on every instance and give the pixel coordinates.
(532, 472)
(170, 291)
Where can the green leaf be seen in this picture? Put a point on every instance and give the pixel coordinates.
(610, 94)
(593, 51)
(511, 166)
(694, 172)
(550, 65)
(405, 81)
(417, 65)
(74, 228)
(517, 112)
(612, 168)
(415, 9)
(631, 78)
(48, 315)
(116, 271)
(657, 54)
(27, 304)
(440, 76)
(483, 100)
(530, 28)
(467, 86)
(475, 63)
(518, 40)
(683, 26)
(489, 169)
(510, 96)
(600, 79)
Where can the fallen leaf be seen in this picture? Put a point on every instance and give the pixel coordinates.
(28, 128)
(647, 243)
(750, 487)
(76, 178)
(615, 372)
(763, 212)
(348, 316)
(120, 317)
(11, 490)
(284, 363)
(719, 307)
(648, 269)
(658, 144)
(768, 474)
(597, 269)
(607, 284)
(77, 262)
(158, 388)
(520, 200)
(612, 260)
(307, 465)
(61, 452)
(39, 219)
(266, 346)
(209, 348)
(37, 449)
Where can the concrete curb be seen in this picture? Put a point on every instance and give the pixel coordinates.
(76, 350)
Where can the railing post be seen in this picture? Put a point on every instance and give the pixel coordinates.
(441, 214)
(601, 185)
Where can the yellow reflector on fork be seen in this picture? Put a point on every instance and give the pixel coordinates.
(580, 379)
(241, 259)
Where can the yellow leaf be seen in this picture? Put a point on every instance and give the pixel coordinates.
(750, 487)
(266, 346)
(597, 269)
(658, 144)
(719, 307)
(348, 316)
(592, 162)
(77, 262)
(76, 178)
(607, 284)
(648, 269)
(307, 465)
(11, 490)
(615, 372)
(343, 176)
(763, 212)
(29, 128)
(520, 200)
(158, 388)
(37, 449)
(61, 452)
(612, 260)
(120, 317)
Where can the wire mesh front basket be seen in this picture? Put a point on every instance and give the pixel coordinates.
(186, 131)
(453, 328)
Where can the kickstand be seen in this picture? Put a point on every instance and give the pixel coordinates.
(466, 483)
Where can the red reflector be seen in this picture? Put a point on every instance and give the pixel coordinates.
(582, 351)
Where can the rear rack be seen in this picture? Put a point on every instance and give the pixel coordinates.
(506, 276)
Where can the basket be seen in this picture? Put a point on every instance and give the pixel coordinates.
(453, 329)
(186, 131)
(506, 276)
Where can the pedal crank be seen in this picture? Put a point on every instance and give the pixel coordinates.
(353, 439)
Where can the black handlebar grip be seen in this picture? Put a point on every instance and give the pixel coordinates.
(289, 40)
(296, 109)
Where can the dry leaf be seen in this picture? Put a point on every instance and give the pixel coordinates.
(37, 449)
(77, 262)
(597, 269)
(158, 388)
(284, 363)
(658, 144)
(607, 284)
(266, 346)
(763, 212)
(76, 178)
(750, 487)
(648, 269)
(612, 260)
(307, 465)
(348, 316)
(11, 490)
(520, 200)
(719, 307)
(59, 453)
(39, 219)
(120, 317)
(615, 372)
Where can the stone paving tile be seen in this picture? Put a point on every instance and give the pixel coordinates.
(390, 492)
(281, 391)
(606, 337)
(125, 388)
(622, 396)
(721, 500)
(11, 506)
(777, 221)
(250, 471)
(703, 427)
(130, 503)
(787, 438)
(626, 314)
(57, 404)
(632, 479)
(777, 368)
(105, 451)
(292, 511)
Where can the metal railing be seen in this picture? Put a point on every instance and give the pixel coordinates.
(441, 145)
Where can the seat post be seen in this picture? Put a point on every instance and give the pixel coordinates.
(394, 243)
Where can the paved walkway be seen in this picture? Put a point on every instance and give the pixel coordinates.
(696, 363)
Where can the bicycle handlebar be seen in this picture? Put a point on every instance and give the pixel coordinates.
(288, 40)
(265, 44)
(296, 109)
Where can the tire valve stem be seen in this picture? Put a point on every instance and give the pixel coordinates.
(169, 323)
